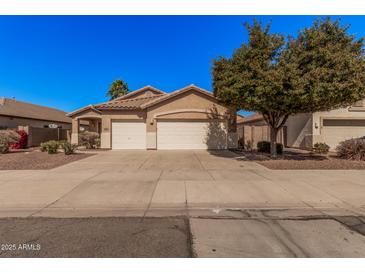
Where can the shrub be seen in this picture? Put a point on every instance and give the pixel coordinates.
(6, 138)
(353, 149)
(321, 148)
(241, 143)
(22, 141)
(50, 146)
(265, 146)
(61, 142)
(43, 146)
(68, 148)
(97, 142)
(88, 139)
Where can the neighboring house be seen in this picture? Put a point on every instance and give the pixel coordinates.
(148, 118)
(330, 127)
(304, 130)
(14, 113)
(240, 118)
(253, 129)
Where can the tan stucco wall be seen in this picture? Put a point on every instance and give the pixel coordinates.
(187, 114)
(337, 133)
(256, 131)
(106, 117)
(75, 131)
(184, 102)
(14, 122)
(341, 113)
(187, 106)
(89, 113)
(112, 115)
(299, 131)
(304, 130)
(143, 94)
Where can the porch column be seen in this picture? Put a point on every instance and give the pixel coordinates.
(75, 131)
(105, 138)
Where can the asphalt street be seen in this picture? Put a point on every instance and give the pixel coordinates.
(179, 237)
(95, 237)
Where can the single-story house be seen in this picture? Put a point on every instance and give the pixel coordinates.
(148, 118)
(304, 130)
(14, 113)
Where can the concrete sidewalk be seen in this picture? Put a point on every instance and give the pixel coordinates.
(168, 183)
(275, 238)
(235, 208)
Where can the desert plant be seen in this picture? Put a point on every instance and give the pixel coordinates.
(97, 142)
(22, 141)
(321, 148)
(68, 148)
(51, 147)
(88, 139)
(265, 146)
(6, 138)
(352, 149)
(43, 146)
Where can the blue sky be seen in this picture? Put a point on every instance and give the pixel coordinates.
(69, 61)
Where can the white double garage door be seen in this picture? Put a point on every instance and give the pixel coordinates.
(336, 130)
(171, 135)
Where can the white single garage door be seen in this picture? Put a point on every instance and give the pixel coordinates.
(128, 135)
(191, 135)
(336, 130)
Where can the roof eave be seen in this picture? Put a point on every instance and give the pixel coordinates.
(70, 114)
(178, 92)
(138, 91)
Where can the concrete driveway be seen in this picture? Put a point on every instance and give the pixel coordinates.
(234, 208)
(159, 183)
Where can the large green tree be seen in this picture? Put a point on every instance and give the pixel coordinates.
(323, 68)
(117, 88)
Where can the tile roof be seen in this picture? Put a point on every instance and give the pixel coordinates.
(131, 104)
(138, 91)
(240, 118)
(15, 108)
(251, 118)
(141, 102)
(146, 101)
(179, 91)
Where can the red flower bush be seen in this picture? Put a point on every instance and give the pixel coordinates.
(22, 142)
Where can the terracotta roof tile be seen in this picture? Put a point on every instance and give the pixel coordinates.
(177, 92)
(240, 118)
(251, 118)
(131, 104)
(138, 91)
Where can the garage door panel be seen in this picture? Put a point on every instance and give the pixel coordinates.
(128, 135)
(335, 131)
(191, 135)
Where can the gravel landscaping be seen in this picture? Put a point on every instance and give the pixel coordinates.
(300, 160)
(34, 159)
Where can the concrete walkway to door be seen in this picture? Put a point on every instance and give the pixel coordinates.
(167, 183)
